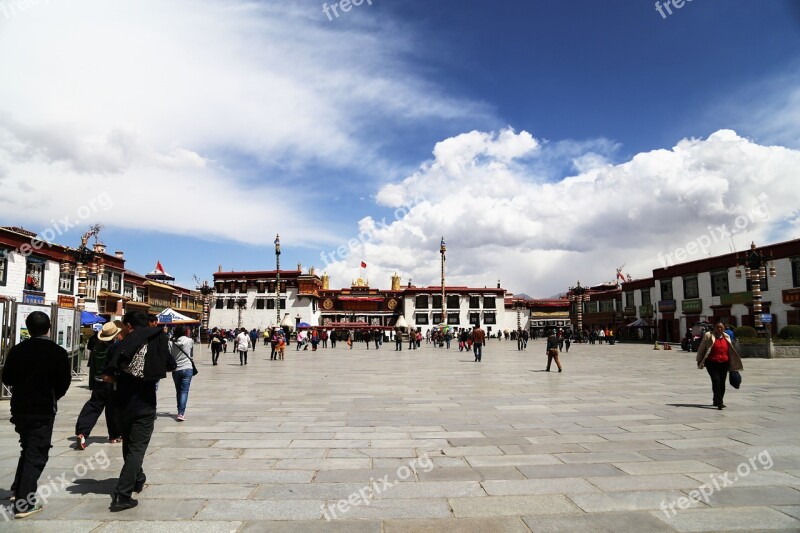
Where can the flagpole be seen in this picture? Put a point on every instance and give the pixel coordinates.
(442, 250)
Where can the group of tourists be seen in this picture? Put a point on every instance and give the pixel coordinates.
(128, 358)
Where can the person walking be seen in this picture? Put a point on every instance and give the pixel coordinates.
(376, 336)
(398, 340)
(242, 344)
(253, 338)
(38, 372)
(552, 351)
(281, 344)
(100, 399)
(717, 354)
(216, 343)
(136, 364)
(324, 338)
(182, 349)
(334, 336)
(351, 338)
(478, 340)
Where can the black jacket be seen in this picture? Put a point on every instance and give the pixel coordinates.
(39, 372)
(158, 360)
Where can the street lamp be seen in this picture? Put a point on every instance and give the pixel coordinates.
(442, 250)
(578, 296)
(278, 279)
(755, 269)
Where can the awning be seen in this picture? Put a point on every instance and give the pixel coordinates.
(170, 316)
(88, 318)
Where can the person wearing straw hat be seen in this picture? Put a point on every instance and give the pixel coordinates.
(100, 399)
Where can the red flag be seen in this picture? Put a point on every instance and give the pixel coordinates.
(363, 264)
(620, 276)
(159, 268)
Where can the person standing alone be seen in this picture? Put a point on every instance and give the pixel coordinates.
(717, 354)
(478, 340)
(39, 374)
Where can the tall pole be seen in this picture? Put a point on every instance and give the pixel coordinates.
(278, 280)
(442, 250)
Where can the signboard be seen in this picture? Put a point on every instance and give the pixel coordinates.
(65, 322)
(630, 311)
(33, 297)
(66, 301)
(646, 311)
(23, 310)
(693, 306)
(736, 298)
(766, 318)
(550, 314)
(667, 306)
(791, 296)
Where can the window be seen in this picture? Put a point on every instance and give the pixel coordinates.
(437, 302)
(488, 302)
(260, 303)
(690, 288)
(219, 287)
(795, 272)
(128, 291)
(91, 288)
(422, 302)
(629, 301)
(719, 283)
(490, 318)
(262, 287)
(422, 319)
(271, 304)
(453, 302)
(474, 318)
(116, 281)
(65, 281)
(666, 290)
(104, 280)
(453, 318)
(230, 303)
(34, 274)
(474, 302)
(590, 307)
(646, 297)
(3, 266)
(607, 306)
(220, 304)
(437, 318)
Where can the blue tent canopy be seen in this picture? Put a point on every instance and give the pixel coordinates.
(88, 318)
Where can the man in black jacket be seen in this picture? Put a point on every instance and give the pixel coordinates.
(136, 364)
(38, 372)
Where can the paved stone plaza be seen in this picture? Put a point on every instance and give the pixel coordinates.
(511, 448)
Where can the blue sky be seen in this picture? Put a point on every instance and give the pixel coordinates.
(214, 126)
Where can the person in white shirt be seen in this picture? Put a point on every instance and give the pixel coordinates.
(243, 344)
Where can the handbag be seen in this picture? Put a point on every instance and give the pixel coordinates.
(735, 379)
(194, 368)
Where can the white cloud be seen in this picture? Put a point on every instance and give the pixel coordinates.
(498, 217)
(150, 99)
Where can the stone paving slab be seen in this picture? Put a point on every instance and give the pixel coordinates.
(598, 523)
(600, 447)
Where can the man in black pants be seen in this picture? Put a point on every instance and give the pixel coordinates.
(398, 340)
(136, 364)
(38, 370)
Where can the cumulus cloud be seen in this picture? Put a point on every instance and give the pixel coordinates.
(163, 103)
(500, 216)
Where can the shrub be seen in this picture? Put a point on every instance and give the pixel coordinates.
(790, 332)
(745, 332)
